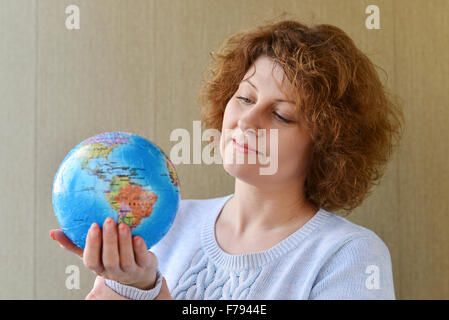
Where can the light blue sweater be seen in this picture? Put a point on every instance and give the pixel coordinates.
(327, 258)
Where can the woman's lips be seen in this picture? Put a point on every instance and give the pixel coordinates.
(243, 147)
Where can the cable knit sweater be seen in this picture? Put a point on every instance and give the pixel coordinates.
(327, 258)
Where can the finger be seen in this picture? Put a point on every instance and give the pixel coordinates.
(65, 242)
(126, 251)
(92, 251)
(111, 261)
(144, 258)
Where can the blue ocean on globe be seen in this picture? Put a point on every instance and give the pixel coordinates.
(119, 175)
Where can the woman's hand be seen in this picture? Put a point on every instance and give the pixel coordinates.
(121, 258)
(101, 291)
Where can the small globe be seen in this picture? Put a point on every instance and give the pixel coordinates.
(119, 175)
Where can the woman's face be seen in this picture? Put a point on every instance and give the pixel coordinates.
(259, 104)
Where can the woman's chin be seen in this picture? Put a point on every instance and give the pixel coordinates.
(246, 172)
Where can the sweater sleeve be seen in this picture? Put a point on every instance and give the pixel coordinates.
(135, 293)
(359, 270)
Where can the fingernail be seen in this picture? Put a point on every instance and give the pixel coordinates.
(137, 241)
(52, 234)
(94, 228)
(109, 220)
(122, 228)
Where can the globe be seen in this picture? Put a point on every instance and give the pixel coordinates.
(119, 175)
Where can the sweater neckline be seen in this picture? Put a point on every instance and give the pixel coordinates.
(256, 259)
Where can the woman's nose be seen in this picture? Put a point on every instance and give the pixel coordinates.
(250, 122)
(250, 130)
(244, 127)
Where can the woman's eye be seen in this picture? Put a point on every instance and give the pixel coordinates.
(281, 118)
(278, 116)
(245, 100)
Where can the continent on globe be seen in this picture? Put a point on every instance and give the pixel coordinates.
(98, 147)
(172, 173)
(130, 201)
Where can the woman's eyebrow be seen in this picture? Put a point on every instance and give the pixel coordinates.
(288, 101)
(277, 100)
(252, 85)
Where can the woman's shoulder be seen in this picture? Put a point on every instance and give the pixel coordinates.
(342, 235)
(356, 254)
(188, 221)
(201, 204)
(191, 210)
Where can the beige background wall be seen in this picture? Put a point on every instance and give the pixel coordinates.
(137, 65)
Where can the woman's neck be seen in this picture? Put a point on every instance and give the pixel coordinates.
(256, 210)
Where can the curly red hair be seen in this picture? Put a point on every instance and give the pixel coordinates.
(354, 122)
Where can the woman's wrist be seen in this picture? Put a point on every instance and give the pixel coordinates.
(134, 293)
(149, 284)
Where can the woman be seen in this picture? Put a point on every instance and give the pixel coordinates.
(331, 129)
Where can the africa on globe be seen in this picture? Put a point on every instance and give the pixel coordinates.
(119, 175)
